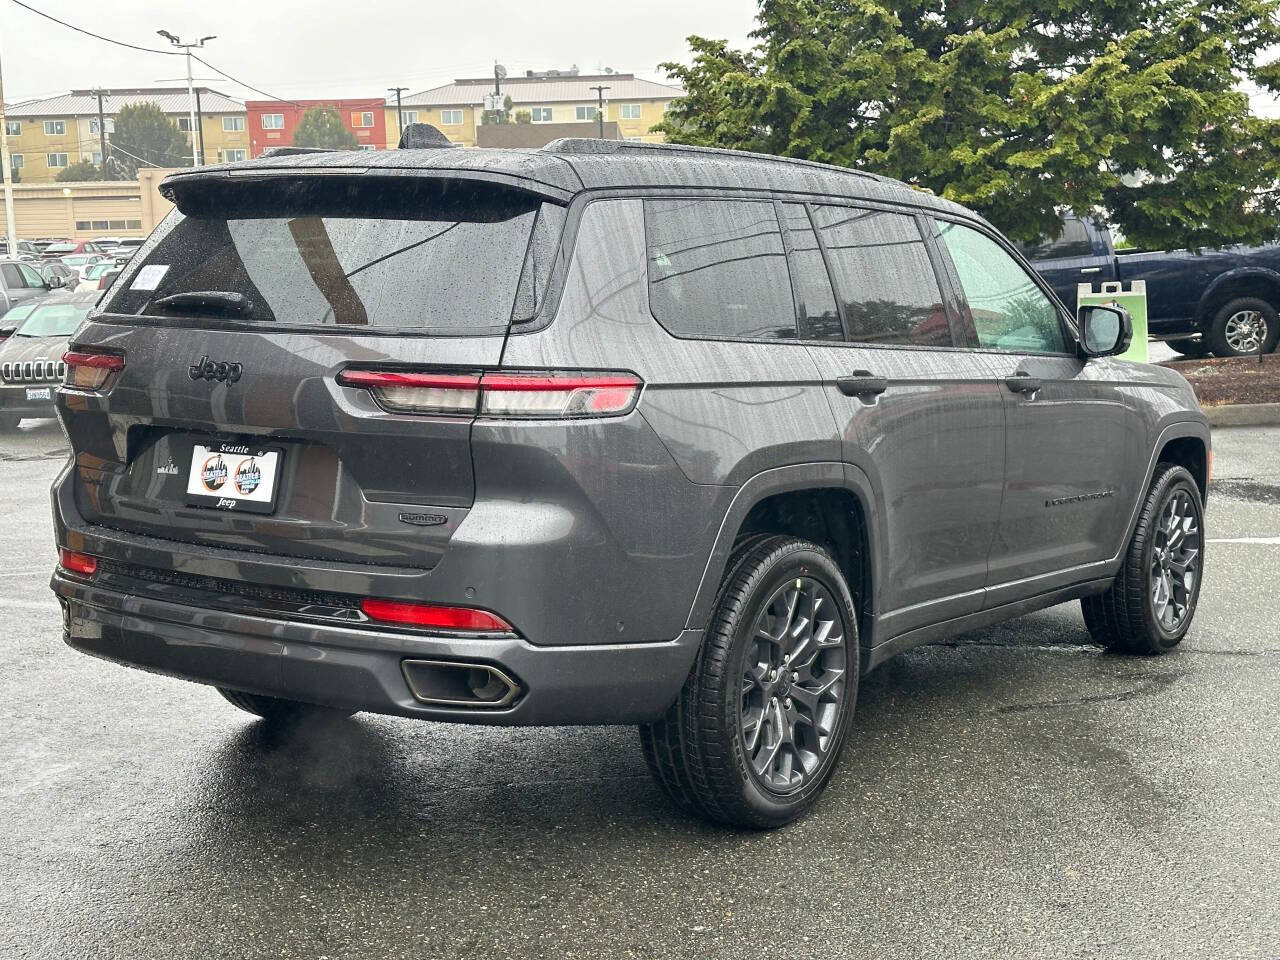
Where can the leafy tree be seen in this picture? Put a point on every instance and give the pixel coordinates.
(524, 116)
(1129, 107)
(322, 127)
(144, 137)
(79, 171)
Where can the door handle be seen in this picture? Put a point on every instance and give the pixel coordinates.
(1090, 269)
(1022, 382)
(862, 383)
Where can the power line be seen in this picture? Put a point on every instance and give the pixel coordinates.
(90, 33)
(247, 86)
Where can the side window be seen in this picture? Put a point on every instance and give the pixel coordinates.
(884, 277)
(12, 276)
(717, 269)
(819, 318)
(31, 276)
(1009, 311)
(1073, 241)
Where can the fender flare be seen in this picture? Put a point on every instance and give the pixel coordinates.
(788, 479)
(1234, 276)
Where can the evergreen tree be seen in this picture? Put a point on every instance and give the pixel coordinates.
(322, 127)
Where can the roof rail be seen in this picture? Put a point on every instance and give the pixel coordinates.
(293, 151)
(583, 146)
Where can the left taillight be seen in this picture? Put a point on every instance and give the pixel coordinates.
(79, 563)
(508, 395)
(90, 371)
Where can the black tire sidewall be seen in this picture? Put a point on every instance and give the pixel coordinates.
(1217, 330)
(1172, 482)
(802, 560)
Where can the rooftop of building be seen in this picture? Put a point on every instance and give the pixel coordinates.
(85, 102)
(544, 89)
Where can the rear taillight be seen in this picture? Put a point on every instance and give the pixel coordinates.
(81, 563)
(433, 615)
(90, 371)
(507, 395)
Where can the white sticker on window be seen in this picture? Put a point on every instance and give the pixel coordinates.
(149, 277)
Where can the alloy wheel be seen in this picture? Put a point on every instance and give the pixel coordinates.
(1175, 561)
(793, 685)
(1245, 331)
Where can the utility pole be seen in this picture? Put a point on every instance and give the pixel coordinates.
(102, 130)
(186, 48)
(399, 110)
(11, 227)
(200, 125)
(600, 106)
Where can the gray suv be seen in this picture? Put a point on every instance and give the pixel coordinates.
(603, 433)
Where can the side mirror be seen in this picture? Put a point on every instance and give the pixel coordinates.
(52, 282)
(1105, 330)
(7, 332)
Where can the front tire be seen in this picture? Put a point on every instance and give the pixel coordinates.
(1239, 327)
(759, 726)
(276, 710)
(1149, 607)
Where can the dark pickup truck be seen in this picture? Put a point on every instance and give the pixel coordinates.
(1223, 301)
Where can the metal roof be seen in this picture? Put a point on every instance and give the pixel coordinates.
(85, 102)
(567, 167)
(532, 90)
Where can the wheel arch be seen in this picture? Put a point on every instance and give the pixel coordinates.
(1242, 282)
(828, 503)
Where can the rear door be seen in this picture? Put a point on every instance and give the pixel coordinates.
(234, 327)
(1070, 259)
(1073, 447)
(921, 418)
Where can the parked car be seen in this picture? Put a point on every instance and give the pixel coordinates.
(43, 243)
(26, 250)
(31, 364)
(126, 247)
(56, 273)
(695, 440)
(71, 247)
(19, 282)
(10, 322)
(80, 262)
(95, 275)
(1221, 301)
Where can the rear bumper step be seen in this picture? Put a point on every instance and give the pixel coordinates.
(497, 680)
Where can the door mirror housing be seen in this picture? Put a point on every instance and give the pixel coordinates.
(1105, 330)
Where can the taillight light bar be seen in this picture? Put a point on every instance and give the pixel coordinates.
(432, 615)
(90, 371)
(515, 395)
(80, 563)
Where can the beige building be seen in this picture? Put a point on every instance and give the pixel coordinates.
(46, 136)
(82, 211)
(456, 109)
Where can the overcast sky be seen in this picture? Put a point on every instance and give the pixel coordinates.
(357, 49)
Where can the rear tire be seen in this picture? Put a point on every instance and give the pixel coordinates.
(278, 710)
(757, 731)
(1240, 324)
(1150, 606)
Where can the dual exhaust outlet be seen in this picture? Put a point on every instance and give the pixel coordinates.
(451, 683)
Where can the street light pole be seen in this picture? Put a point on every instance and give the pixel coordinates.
(399, 110)
(102, 132)
(186, 48)
(11, 226)
(600, 106)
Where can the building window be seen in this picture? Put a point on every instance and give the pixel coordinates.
(634, 139)
(133, 224)
(15, 161)
(232, 124)
(410, 116)
(184, 124)
(630, 111)
(55, 128)
(13, 128)
(56, 159)
(273, 121)
(362, 119)
(231, 156)
(541, 114)
(584, 113)
(451, 117)
(93, 125)
(368, 146)
(97, 159)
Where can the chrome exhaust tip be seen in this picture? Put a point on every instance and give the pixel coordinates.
(451, 683)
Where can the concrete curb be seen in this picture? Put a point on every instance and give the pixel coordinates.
(1243, 415)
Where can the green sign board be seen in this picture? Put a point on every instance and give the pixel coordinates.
(1133, 299)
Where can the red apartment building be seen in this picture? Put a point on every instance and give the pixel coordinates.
(271, 122)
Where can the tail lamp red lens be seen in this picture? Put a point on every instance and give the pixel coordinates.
(90, 371)
(433, 615)
(81, 563)
(540, 396)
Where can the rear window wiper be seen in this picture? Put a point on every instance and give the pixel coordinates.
(207, 301)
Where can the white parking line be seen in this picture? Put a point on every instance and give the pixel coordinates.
(1265, 541)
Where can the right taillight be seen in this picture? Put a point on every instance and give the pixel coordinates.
(90, 371)
(507, 395)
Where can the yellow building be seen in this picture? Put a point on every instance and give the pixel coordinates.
(456, 109)
(48, 135)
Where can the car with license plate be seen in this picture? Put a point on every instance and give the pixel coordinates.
(603, 433)
(31, 364)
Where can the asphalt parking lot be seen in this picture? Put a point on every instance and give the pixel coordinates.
(1017, 793)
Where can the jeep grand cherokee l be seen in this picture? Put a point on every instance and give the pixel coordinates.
(603, 433)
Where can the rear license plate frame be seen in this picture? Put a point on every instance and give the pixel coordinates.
(270, 461)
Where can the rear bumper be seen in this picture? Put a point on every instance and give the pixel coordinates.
(361, 669)
(13, 400)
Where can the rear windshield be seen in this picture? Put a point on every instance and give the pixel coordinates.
(54, 320)
(397, 254)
